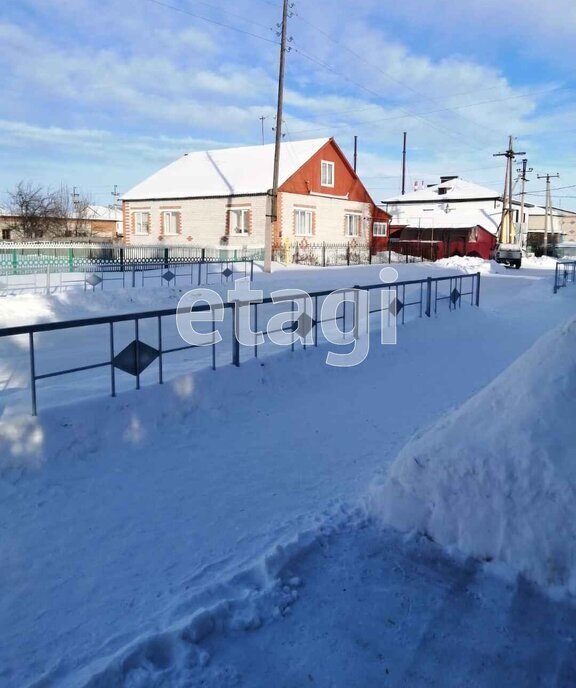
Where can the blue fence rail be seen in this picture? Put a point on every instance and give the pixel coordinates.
(152, 335)
(564, 274)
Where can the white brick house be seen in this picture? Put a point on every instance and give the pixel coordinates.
(221, 198)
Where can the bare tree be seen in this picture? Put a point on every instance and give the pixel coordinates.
(75, 210)
(37, 212)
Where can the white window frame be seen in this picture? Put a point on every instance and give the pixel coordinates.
(308, 222)
(139, 224)
(239, 221)
(170, 222)
(377, 228)
(357, 220)
(327, 179)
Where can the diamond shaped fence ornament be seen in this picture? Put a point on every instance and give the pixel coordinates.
(304, 325)
(454, 296)
(290, 326)
(93, 280)
(396, 306)
(126, 359)
(168, 275)
(227, 272)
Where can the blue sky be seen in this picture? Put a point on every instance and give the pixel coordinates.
(102, 92)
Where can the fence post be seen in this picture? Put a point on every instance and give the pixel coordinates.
(235, 342)
(251, 271)
(14, 262)
(296, 254)
(122, 259)
(203, 255)
(478, 289)
(48, 279)
(70, 260)
(428, 297)
(347, 254)
(323, 254)
(32, 373)
(166, 258)
(556, 279)
(133, 275)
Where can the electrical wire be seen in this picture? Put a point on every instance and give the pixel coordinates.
(444, 130)
(387, 74)
(212, 21)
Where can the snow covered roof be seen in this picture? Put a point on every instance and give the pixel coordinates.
(539, 210)
(454, 218)
(450, 189)
(103, 212)
(225, 172)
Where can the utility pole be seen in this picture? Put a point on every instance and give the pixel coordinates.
(522, 171)
(272, 220)
(506, 223)
(404, 165)
(548, 210)
(75, 197)
(262, 118)
(355, 152)
(116, 195)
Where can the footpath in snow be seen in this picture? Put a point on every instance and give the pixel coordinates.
(199, 533)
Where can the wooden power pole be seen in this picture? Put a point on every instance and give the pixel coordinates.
(404, 165)
(272, 219)
(548, 211)
(506, 223)
(522, 171)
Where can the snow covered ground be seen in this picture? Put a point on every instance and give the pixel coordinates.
(213, 532)
(496, 479)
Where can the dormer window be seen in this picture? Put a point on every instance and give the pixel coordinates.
(327, 173)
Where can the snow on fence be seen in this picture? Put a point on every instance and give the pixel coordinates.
(565, 274)
(127, 345)
(114, 275)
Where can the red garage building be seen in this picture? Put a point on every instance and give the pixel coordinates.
(433, 243)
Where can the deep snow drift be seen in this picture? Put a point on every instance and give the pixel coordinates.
(496, 478)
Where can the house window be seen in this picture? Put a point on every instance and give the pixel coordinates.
(380, 229)
(303, 222)
(5, 235)
(327, 174)
(141, 223)
(239, 220)
(352, 224)
(170, 220)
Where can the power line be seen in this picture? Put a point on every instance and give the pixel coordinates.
(379, 95)
(394, 117)
(455, 107)
(242, 17)
(387, 74)
(212, 21)
(556, 188)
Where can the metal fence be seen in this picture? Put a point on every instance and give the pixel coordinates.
(18, 257)
(324, 254)
(130, 343)
(564, 274)
(136, 275)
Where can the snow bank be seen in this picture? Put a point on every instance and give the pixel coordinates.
(543, 262)
(467, 264)
(496, 478)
